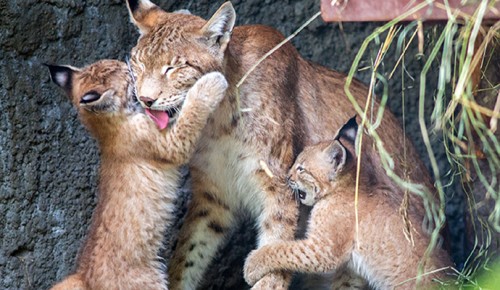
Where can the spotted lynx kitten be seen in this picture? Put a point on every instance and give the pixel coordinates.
(324, 177)
(138, 178)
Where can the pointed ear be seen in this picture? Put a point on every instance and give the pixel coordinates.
(144, 14)
(62, 76)
(218, 29)
(183, 11)
(349, 131)
(337, 155)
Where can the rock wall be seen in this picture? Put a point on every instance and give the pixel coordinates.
(48, 162)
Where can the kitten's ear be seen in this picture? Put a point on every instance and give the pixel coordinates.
(349, 131)
(218, 29)
(144, 14)
(183, 11)
(337, 155)
(62, 75)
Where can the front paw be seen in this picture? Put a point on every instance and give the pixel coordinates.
(255, 267)
(210, 88)
(275, 281)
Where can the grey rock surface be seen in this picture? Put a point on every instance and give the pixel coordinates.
(48, 162)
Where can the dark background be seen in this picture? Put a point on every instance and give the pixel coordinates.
(48, 162)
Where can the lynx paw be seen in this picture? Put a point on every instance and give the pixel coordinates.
(210, 88)
(275, 281)
(255, 267)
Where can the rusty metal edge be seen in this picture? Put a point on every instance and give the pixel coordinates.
(386, 10)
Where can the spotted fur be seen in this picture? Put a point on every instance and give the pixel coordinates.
(254, 135)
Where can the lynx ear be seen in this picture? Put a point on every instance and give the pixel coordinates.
(182, 11)
(337, 155)
(349, 131)
(218, 29)
(144, 14)
(62, 76)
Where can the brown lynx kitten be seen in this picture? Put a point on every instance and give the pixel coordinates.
(324, 177)
(138, 172)
(249, 144)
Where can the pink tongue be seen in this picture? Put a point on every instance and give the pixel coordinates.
(159, 117)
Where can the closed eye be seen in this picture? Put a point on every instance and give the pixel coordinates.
(166, 70)
(90, 97)
(300, 169)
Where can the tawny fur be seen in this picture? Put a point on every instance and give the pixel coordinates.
(383, 254)
(284, 104)
(138, 173)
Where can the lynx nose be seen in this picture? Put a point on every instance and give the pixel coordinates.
(147, 101)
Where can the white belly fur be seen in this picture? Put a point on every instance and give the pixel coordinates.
(231, 167)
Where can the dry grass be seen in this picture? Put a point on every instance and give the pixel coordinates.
(459, 56)
(468, 127)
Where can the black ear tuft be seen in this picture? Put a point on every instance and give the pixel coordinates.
(348, 131)
(61, 76)
(144, 14)
(133, 5)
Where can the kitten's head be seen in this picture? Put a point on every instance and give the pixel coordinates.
(320, 168)
(102, 89)
(102, 93)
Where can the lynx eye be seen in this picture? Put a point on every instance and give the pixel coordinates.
(166, 69)
(90, 97)
(300, 169)
(302, 195)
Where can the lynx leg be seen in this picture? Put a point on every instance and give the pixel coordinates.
(141, 278)
(208, 222)
(312, 255)
(72, 282)
(277, 222)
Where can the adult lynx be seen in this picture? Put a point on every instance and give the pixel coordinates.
(250, 143)
(138, 174)
(324, 176)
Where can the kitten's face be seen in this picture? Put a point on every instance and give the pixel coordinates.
(308, 176)
(101, 89)
(316, 171)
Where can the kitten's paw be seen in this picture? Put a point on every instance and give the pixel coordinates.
(275, 281)
(210, 88)
(255, 267)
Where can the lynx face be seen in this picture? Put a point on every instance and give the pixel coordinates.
(308, 177)
(100, 89)
(175, 50)
(319, 168)
(162, 90)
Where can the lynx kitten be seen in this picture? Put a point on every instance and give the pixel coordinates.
(140, 155)
(324, 177)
